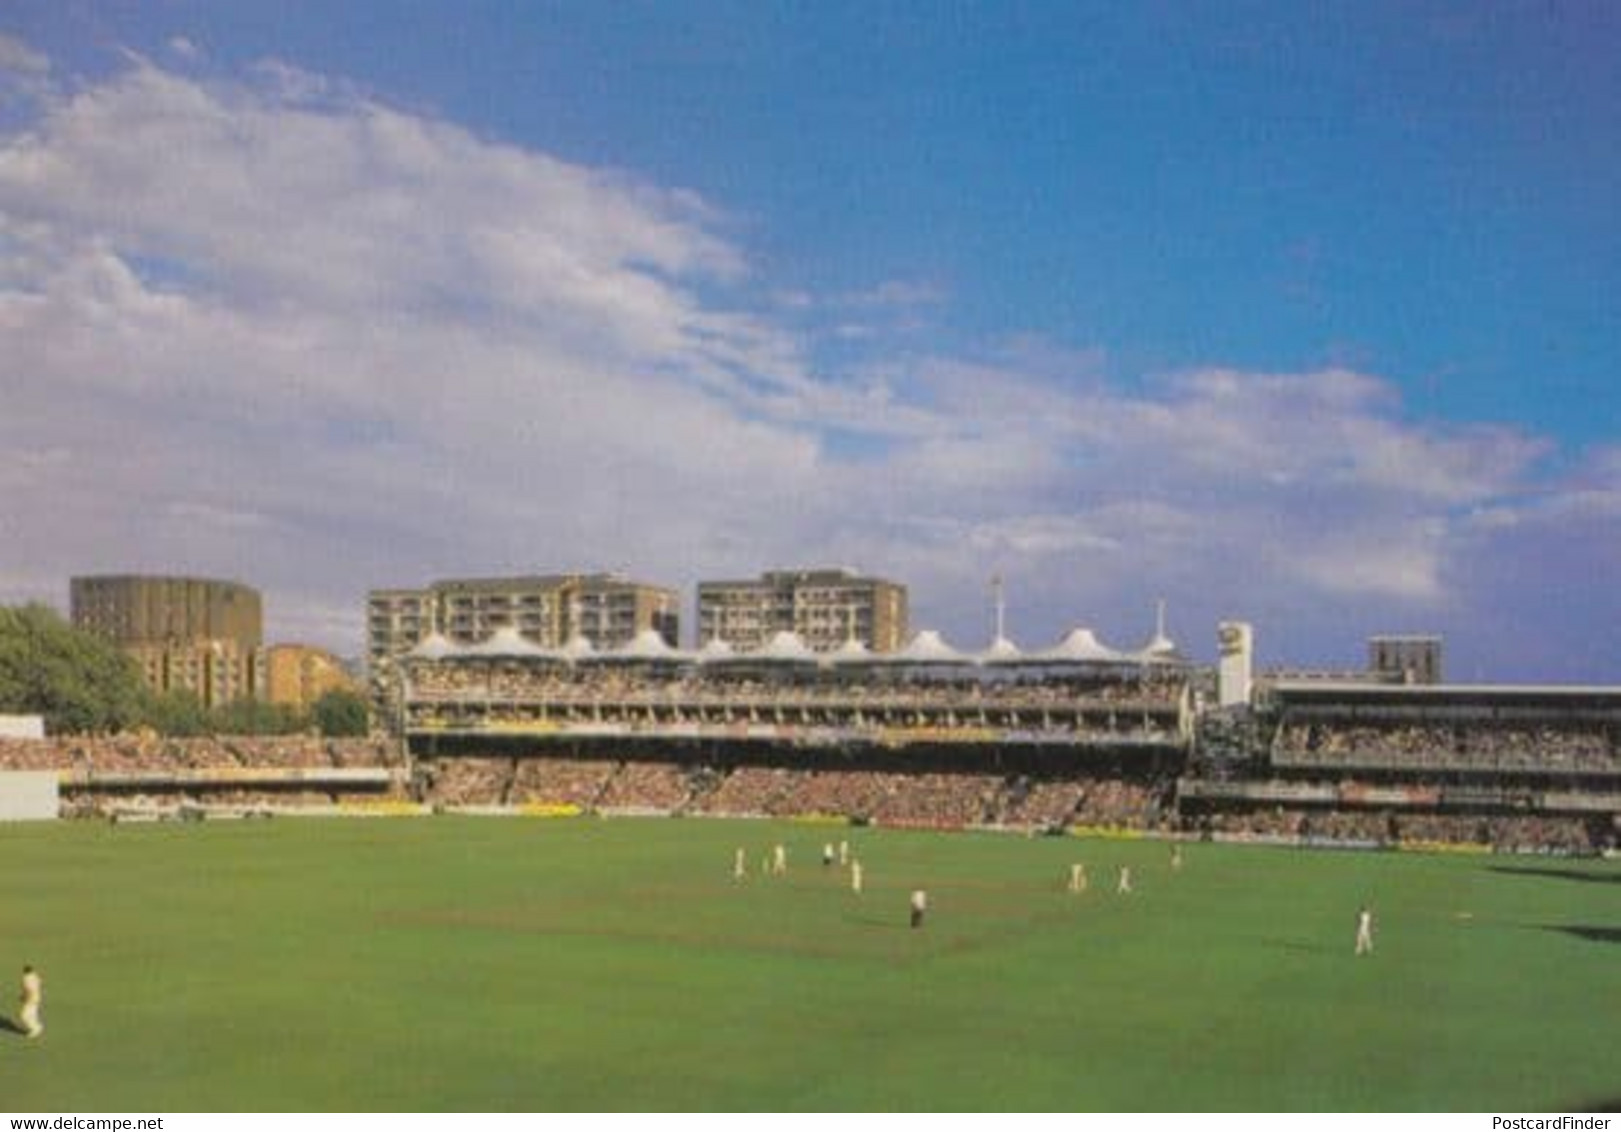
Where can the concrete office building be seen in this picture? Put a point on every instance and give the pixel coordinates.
(1406, 658)
(298, 675)
(187, 634)
(825, 607)
(547, 609)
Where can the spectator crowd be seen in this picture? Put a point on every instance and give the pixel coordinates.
(920, 798)
(1570, 749)
(1376, 783)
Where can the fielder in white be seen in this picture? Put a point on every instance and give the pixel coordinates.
(1364, 931)
(33, 993)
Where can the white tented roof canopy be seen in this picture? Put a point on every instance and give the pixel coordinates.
(1080, 646)
(435, 646)
(928, 647)
(649, 645)
(715, 649)
(1000, 651)
(852, 651)
(578, 647)
(785, 646)
(1159, 650)
(506, 641)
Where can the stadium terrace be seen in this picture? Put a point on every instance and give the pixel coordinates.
(1073, 738)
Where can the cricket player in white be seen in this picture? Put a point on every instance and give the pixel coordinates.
(739, 865)
(779, 859)
(855, 875)
(33, 992)
(1125, 879)
(1364, 931)
(1077, 878)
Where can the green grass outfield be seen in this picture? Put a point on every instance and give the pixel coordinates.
(493, 964)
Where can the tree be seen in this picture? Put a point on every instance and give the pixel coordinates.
(249, 716)
(340, 713)
(77, 681)
(179, 713)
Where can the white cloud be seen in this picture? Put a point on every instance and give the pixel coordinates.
(1387, 559)
(897, 293)
(18, 58)
(274, 329)
(26, 79)
(191, 514)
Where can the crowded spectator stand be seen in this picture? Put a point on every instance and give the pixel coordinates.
(1075, 737)
(147, 775)
(927, 736)
(1505, 768)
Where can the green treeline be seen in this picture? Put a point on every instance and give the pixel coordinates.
(82, 684)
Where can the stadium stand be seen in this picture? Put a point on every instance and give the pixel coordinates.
(1085, 746)
(1512, 769)
(1049, 746)
(131, 775)
(571, 782)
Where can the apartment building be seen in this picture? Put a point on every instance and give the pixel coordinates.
(199, 635)
(298, 675)
(826, 607)
(548, 609)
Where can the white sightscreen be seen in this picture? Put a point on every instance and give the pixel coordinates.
(22, 727)
(27, 795)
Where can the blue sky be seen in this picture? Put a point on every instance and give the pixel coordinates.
(1301, 313)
